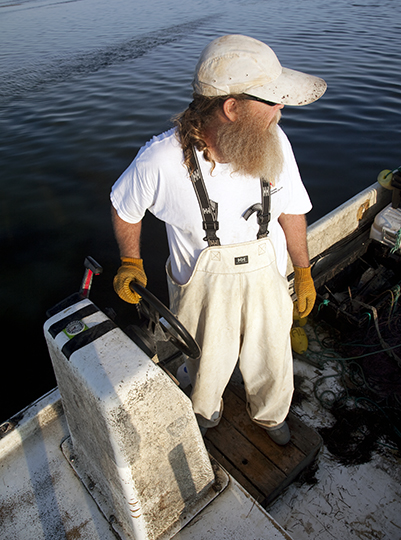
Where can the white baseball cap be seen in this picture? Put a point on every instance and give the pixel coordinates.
(236, 64)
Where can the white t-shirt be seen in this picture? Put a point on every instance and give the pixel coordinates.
(158, 181)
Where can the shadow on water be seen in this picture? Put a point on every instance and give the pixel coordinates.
(27, 367)
(23, 80)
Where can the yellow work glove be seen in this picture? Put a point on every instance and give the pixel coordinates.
(130, 270)
(305, 290)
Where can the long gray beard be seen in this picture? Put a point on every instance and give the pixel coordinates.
(252, 149)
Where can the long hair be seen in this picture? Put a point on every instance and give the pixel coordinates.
(193, 122)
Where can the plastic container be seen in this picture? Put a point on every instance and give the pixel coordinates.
(386, 225)
(182, 376)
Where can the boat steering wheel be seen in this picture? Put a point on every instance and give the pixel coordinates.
(172, 328)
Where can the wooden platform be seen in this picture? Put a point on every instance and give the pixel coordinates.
(245, 450)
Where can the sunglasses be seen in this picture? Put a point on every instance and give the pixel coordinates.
(253, 98)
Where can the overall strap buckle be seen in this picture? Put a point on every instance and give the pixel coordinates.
(262, 210)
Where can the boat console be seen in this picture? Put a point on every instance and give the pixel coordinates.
(134, 441)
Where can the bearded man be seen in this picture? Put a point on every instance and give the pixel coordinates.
(226, 184)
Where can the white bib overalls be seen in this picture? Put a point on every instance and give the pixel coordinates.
(237, 306)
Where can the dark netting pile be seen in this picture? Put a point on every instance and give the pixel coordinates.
(358, 330)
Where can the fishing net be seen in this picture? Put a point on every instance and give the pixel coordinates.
(360, 340)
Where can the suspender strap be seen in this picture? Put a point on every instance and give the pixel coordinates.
(208, 208)
(263, 210)
(264, 216)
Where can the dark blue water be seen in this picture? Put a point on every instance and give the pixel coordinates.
(85, 83)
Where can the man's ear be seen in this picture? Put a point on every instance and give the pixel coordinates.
(230, 109)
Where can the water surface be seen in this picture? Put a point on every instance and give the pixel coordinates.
(85, 83)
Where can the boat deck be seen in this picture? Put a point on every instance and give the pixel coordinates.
(42, 498)
(262, 467)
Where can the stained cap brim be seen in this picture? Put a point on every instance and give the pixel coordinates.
(291, 88)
